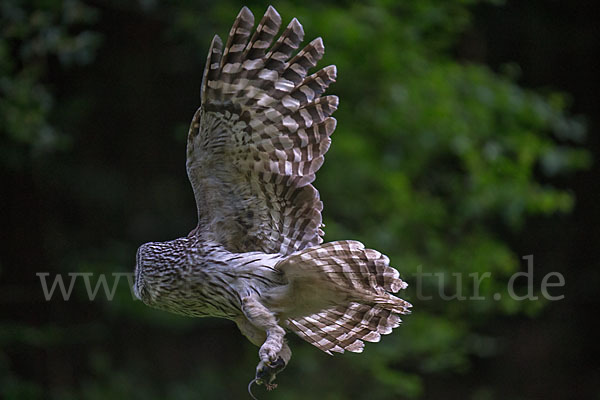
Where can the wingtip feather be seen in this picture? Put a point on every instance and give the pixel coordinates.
(272, 13)
(333, 74)
(318, 43)
(296, 27)
(245, 14)
(216, 42)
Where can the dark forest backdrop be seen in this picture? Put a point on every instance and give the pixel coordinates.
(467, 134)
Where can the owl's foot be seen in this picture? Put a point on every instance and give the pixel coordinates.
(267, 371)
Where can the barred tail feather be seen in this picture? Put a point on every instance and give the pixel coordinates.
(342, 295)
(345, 328)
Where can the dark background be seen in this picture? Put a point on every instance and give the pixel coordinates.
(556, 45)
(96, 101)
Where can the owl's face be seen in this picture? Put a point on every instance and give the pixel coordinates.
(139, 288)
(153, 273)
(161, 280)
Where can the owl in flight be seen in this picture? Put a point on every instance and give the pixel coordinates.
(257, 255)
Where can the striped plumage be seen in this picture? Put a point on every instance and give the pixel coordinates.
(256, 256)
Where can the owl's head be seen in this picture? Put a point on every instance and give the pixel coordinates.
(152, 272)
(158, 272)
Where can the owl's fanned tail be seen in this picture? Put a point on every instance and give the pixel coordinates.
(352, 287)
(345, 327)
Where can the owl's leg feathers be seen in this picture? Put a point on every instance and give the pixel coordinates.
(261, 328)
(262, 318)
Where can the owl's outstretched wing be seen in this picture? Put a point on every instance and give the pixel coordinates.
(259, 137)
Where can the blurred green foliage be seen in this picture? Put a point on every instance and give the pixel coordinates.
(33, 32)
(433, 162)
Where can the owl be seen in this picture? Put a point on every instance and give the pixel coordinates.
(257, 255)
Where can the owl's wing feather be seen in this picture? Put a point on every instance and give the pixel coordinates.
(259, 137)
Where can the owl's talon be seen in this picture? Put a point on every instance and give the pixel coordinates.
(266, 372)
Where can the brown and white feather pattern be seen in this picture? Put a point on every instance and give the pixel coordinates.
(256, 255)
(260, 136)
(363, 279)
